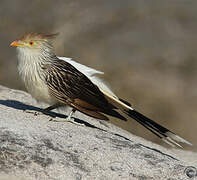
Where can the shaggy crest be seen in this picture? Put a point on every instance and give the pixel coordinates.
(38, 36)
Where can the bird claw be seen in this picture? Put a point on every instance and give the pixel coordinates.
(68, 119)
(35, 113)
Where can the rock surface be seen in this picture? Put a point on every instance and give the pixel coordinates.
(32, 147)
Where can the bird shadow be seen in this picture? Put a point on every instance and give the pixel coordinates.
(22, 106)
(25, 107)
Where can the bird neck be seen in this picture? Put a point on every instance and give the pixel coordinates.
(30, 62)
(30, 57)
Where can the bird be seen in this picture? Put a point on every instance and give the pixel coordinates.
(61, 81)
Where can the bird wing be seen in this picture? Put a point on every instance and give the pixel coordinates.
(90, 73)
(72, 87)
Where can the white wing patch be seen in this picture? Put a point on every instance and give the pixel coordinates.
(91, 74)
(82, 68)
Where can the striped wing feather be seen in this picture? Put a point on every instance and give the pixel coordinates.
(73, 88)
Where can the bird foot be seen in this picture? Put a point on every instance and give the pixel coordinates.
(35, 113)
(68, 119)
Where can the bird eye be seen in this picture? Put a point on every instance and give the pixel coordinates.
(31, 43)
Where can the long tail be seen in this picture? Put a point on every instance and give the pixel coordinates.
(166, 135)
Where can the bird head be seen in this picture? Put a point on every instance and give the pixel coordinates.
(34, 46)
(33, 41)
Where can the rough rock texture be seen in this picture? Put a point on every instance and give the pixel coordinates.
(32, 147)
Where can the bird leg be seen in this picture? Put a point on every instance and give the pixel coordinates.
(45, 111)
(68, 119)
(51, 107)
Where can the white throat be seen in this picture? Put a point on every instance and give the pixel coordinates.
(30, 64)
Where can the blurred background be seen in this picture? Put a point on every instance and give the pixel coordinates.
(147, 49)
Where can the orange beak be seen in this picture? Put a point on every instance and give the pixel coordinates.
(15, 43)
